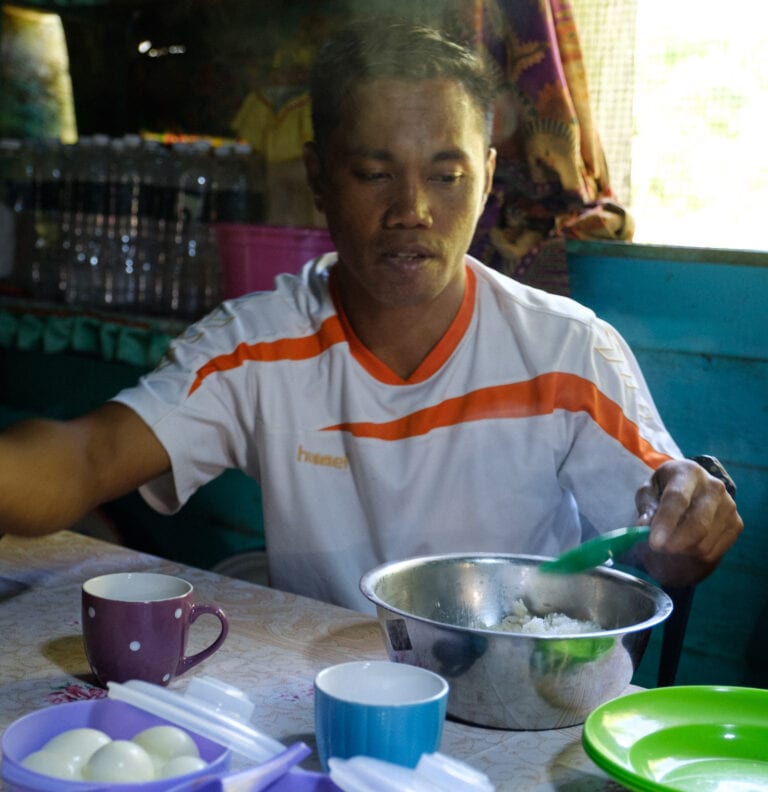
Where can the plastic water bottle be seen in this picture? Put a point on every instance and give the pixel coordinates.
(238, 194)
(68, 164)
(49, 200)
(156, 201)
(22, 198)
(9, 155)
(194, 266)
(76, 274)
(226, 200)
(85, 277)
(254, 167)
(121, 276)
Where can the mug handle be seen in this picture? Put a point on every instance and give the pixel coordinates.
(196, 610)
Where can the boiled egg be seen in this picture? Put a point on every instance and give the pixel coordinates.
(77, 745)
(181, 765)
(164, 743)
(52, 764)
(87, 754)
(121, 761)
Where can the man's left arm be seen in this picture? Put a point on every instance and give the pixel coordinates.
(693, 517)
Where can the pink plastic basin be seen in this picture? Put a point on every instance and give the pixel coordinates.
(252, 255)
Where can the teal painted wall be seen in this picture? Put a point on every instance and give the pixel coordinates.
(697, 320)
(58, 363)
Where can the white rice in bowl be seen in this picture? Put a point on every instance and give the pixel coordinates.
(521, 620)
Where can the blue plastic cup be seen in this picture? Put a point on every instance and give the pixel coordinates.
(390, 711)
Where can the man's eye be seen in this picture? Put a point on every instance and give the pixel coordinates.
(447, 178)
(372, 176)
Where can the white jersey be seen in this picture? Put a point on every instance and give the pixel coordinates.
(527, 428)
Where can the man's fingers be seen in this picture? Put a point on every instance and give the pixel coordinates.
(695, 521)
(647, 501)
(674, 492)
(694, 515)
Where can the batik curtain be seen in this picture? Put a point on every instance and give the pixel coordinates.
(552, 180)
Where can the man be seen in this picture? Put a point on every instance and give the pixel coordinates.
(397, 398)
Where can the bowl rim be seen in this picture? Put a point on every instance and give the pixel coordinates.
(660, 598)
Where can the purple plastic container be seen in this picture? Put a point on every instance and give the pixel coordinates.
(116, 718)
(298, 780)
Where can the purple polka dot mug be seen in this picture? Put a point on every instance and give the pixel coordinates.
(135, 626)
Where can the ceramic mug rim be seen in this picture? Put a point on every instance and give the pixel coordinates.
(122, 587)
(440, 687)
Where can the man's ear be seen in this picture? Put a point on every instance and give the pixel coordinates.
(313, 169)
(490, 169)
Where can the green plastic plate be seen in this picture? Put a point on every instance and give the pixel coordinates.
(693, 738)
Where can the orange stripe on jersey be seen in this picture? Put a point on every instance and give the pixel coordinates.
(330, 333)
(539, 396)
(437, 355)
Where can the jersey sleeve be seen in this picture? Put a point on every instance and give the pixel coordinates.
(203, 428)
(618, 438)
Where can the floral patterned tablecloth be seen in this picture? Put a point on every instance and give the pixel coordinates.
(276, 644)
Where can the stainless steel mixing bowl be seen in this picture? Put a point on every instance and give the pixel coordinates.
(438, 611)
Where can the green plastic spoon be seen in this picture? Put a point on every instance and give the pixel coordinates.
(597, 551)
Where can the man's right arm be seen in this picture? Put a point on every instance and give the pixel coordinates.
(52, 473)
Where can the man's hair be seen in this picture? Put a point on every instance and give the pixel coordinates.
(370, 50)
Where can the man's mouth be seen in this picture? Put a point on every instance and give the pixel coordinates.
(406, 256)
(409, 256)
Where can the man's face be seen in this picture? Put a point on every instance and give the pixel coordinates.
(403, 182)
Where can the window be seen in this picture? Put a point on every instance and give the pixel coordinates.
(679, 90)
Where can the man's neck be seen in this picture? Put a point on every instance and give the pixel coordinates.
(401, 340)
(402, 336)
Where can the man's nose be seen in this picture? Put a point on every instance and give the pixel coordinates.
(409, 206)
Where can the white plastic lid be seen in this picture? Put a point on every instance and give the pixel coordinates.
(208, 707)
(366, 774)
(435, 772)
(445, 772)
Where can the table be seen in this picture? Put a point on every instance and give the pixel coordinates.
(276, 644)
